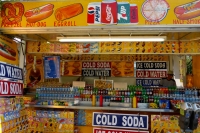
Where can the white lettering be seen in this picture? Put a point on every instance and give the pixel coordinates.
(130, 121)
(135, 121)
(109, 16)
(114, 120)
(97, 119)
(104, 119)
(1, 87)
(109, 123)
(5, 88)
(141, 123)
(8, 70)
(3, 72)
(124, 122)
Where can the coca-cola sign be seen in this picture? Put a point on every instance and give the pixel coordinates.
(8, 88)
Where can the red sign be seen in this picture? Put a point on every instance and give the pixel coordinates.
(8, 88)
(107, 130)
(151, 74)
(96, 64)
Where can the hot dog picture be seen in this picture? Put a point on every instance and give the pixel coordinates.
(7, 52)
(188, 11)
(39, 13)
(68, 12)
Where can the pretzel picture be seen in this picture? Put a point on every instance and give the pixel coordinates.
(10, 15)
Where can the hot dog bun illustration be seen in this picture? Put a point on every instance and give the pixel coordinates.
(188, 11)
(7, 52)
(69, 11)
(39, 13)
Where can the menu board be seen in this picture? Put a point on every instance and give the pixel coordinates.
(150, 73)
(52, 67)
(115, 47)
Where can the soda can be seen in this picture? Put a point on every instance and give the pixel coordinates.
(133, 13)
(109, 12)
(123, 12)
(94, 13)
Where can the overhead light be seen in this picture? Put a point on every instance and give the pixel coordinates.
(17, 39)
(195, 39)
(114, 39)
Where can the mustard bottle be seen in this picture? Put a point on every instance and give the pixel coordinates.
(134, 101)
(93, 100)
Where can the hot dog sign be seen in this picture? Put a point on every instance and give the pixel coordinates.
(99, 12)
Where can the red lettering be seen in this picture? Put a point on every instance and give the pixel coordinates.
(151, 22)
(12, 25)
(64, 23)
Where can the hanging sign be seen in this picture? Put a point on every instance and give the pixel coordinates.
(151, 65)
(148, 82)
(132, 121)
(8, 88)
(52, 67)
(96, 69)
(150, 73)
(108, 130)
(10, 72)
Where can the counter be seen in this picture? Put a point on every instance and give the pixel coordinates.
(101, 108)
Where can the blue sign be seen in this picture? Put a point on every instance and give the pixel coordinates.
(120, 120)
(148, 82)
(52, 67)
(10, 72)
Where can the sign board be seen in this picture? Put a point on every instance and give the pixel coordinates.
(52, 67)
(8, 51)
(98, 12)
(78, 83)
(148, 82)
(150, 73)
(114, 120)
(120, 85)
(108, 130)
(96, 69)
(151, 65)
(10, 72)
(8, 88)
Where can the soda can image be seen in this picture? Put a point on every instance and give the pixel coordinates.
(109, 12)
(123, 12)
(133, 14)
(94, 13)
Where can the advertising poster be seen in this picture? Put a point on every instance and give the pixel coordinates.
(71, 68)
(122, 69)
(98, 12)
(164, 123)
(51, 67)
(35, 69)
(150, 73)
(8, 51)
(35, 75)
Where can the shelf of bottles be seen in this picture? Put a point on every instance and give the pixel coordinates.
(143, 94)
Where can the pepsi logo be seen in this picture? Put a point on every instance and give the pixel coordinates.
(91, 10)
